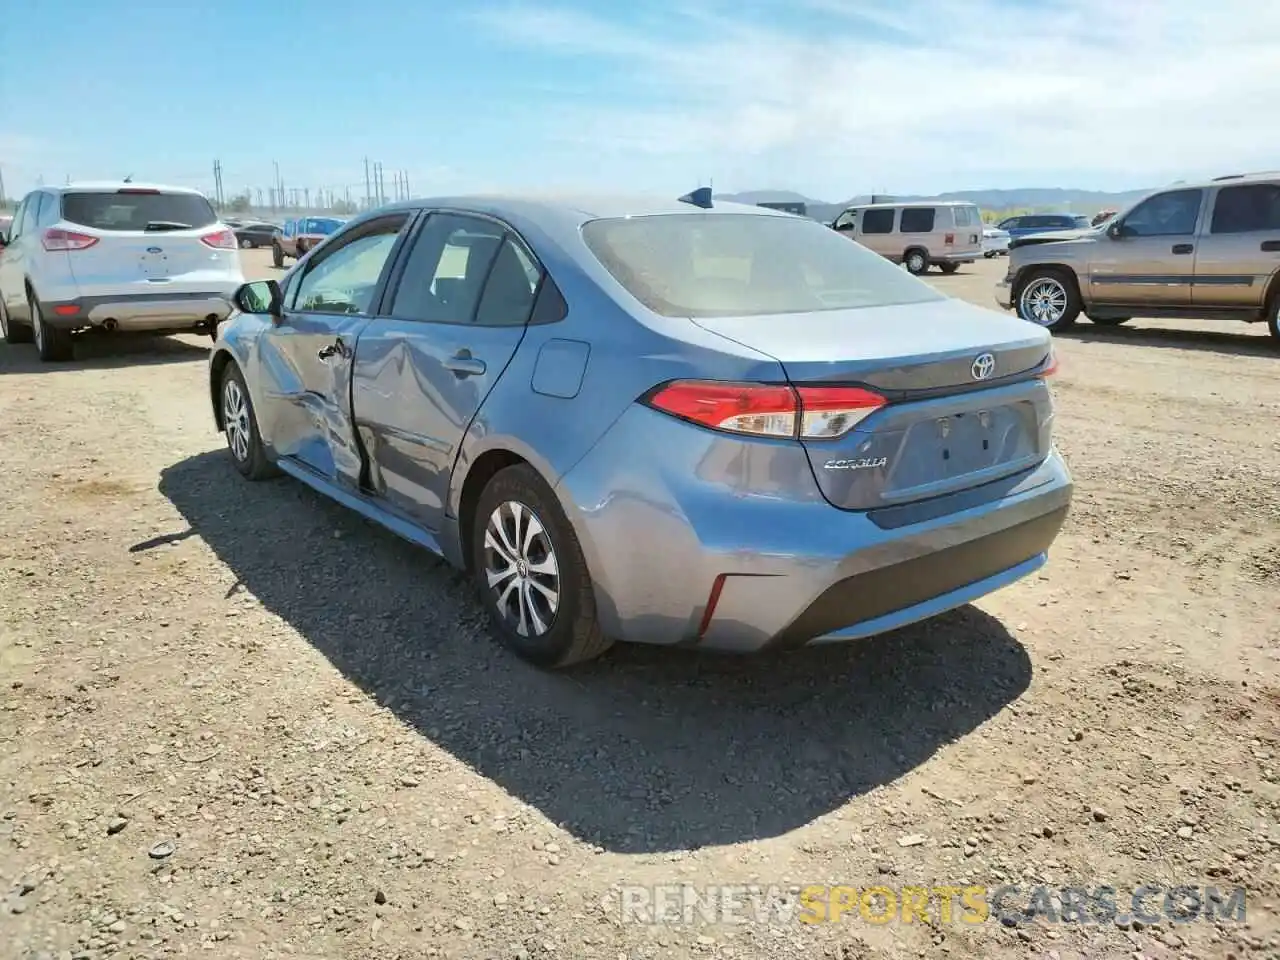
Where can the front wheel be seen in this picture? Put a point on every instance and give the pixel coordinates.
(1273, 320)
(240, 424)
(1049, 299)
(948, 267)
(277, 255)
(54, 344)
(12, 332)
(916, 262)
(531, 573)
(247, 244)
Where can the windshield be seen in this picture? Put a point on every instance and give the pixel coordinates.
(725, 265)
(324, 225)
(134, 209)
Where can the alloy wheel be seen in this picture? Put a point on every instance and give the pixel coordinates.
(521, 569)
(37, 325)
(1043, 301)
(235, 417)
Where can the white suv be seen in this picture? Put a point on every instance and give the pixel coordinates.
(115, 256)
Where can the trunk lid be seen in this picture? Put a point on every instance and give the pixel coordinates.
(949, 424)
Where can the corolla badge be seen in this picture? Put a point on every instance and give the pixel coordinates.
(861, 463)
(984, 365)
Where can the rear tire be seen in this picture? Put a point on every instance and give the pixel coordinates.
(1109, 321)
(1049, 298)
(54, 345)
(240, 426)
(916, 261)
(524, 552)
(247, 244)
(12, 331)
(948, 267)
(277, 255)
(1273, 317)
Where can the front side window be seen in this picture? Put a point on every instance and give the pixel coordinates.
(346, 278)
(877, 221)
(724, 265)
(1171, 214)
(917, 219)
(846, 220)
(1249, 208)
(1012, 223)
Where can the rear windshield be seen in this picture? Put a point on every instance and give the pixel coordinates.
(725, 265)
(323, 225)
(134, 211)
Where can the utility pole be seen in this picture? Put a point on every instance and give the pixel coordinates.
(407, 194)
(4, 197)
(279, 185)
(306, 193)
(368, 190)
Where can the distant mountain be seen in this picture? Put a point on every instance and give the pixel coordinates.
(1028, 198)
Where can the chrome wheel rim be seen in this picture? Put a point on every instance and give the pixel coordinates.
(235, 416)
(1044, 301)
(37, 325)
(915, 263)
(246, 244)
(521, 570)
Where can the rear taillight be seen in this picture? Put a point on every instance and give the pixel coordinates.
(55, 239)
(949, 238)
(220, 240)
(768, 410)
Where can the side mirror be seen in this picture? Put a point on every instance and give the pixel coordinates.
(1115, 230)
(845, 227)
(261, 296)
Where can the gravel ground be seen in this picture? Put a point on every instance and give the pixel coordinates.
(240, 722)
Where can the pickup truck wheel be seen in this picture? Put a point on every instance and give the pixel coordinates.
(531, 573)
(1049, 298)
(240, 424)
(54, 344)
(916, 262)
(11, 331)
(1109, 321)
(277, 255)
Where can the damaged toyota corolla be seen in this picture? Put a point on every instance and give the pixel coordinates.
(667, 421)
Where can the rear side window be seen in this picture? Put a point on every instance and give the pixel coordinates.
(1247, 209)
(444, 276)
(917, 219)
(137, 210)
(727, 265)
(877, 221)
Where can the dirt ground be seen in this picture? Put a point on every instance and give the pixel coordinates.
(238, 721)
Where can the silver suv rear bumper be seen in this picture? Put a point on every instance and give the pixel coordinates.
(140, 313)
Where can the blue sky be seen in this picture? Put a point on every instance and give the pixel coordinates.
(827, 97)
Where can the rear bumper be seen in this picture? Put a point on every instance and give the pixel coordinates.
(141, 312)
(709, 554)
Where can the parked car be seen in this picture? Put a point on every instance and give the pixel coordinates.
(250, 236)
(1101, 217)
(1034, 223)
(300, 235)
(114, 256)
(995, 242)
(1194, 251)
(5, 223)
(917, 235)
(652, 420)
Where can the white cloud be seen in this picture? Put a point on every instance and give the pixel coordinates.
(850, 95)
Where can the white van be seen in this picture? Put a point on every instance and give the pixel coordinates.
(917, 234)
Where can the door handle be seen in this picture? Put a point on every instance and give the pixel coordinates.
(1271, 246)
(337, 348)
(1182, 248)
(463, 364)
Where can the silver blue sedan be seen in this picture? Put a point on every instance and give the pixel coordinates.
(669, 421)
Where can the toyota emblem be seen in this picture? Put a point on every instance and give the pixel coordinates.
(984, 365)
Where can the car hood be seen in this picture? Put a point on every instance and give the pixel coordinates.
(1056, 236)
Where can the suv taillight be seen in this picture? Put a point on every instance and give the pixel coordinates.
(767, 410)
(949, 238)
(220, 240)
(55, 239)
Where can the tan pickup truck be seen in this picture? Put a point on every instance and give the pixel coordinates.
(300, 235)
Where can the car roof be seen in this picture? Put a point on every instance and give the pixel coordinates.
(913, 203)
(580, 207)
(111, 186)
